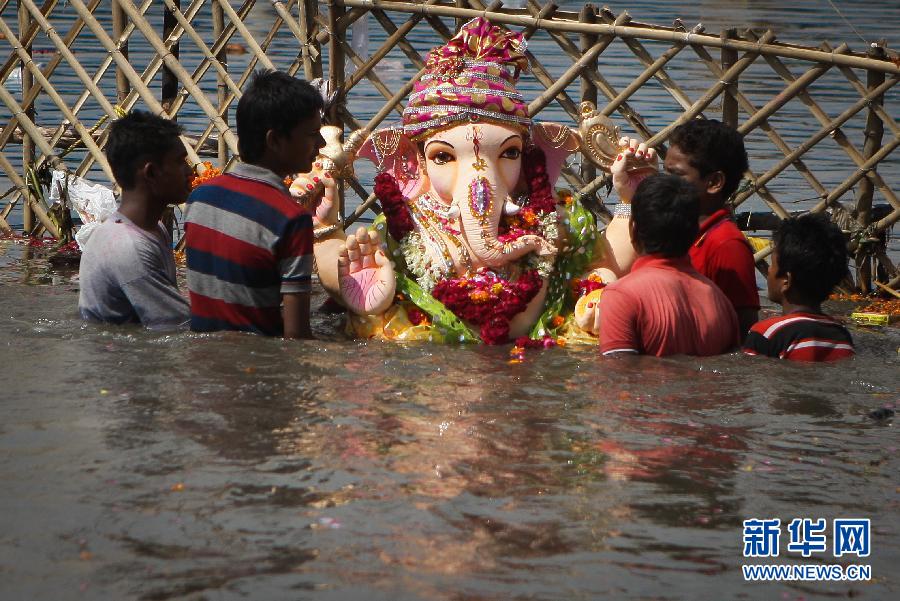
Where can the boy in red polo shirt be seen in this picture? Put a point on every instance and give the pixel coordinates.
(710, 156)
(810, 259)
(664, 306)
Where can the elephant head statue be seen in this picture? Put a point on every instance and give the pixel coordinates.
(462, 181)
(475, 231)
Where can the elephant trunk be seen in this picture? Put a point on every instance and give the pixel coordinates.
(480, 213)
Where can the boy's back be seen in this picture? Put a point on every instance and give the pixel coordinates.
(247, 244)
(808, 260)
(665, 307)
(127, 275)
(800, 336)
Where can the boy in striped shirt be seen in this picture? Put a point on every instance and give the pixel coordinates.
(249, 245)
(809, 260)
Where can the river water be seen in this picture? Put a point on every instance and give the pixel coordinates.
(148, 465)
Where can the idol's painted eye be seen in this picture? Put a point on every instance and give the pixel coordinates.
(513, 152)
(441, 157)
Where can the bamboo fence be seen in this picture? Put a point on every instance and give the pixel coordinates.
(318, 33)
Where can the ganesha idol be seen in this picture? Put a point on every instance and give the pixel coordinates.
(474, 243)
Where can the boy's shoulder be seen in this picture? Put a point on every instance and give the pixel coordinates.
(761, 326)
(255, 199)
(792, 321)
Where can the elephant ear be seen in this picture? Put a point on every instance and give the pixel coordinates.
(394, 153)
(558, 142)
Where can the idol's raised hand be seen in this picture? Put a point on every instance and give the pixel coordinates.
(317, 191)
(633, 164)
(366, 276)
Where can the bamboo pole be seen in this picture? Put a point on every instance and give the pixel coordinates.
(27, 142)
(588, 90)
(886, 119)
(537, 68)
(863, 170)
(649, 33)
(48, 88)
(773, 135)
(180, 72)
(305, 23)
(312, 52)
(571, 73)
(368, 74)
(28, 126)
(336, 78)
(883, 224)
(729, 102)
(36, 208)
(794, 88)
(248, 72)
(385, 110)
(652, 70)
(647, 60)
(218, 47)
(169, 90)
(392, 40)
(246, 34)
(71, 35)
(135, 79)
(25, 38)
(404, 46)
(598, 80)
(837, 134)
(711, 94)
(439, 27)
(873, 133)
(876, 228)
(146, 77)
(28, 99)
(120, 22)
(67, 53)
(222, 79)
(350, 17)
(215, 60)
(817, 137)
(65, 43)
(459, 20)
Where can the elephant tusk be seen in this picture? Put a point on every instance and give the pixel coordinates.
(453, 212)
(510, 208)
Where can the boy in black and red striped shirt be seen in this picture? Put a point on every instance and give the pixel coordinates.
(809, 260)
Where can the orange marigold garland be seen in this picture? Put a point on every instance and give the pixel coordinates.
(209, 173)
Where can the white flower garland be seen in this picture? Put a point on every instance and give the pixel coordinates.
(427, 272)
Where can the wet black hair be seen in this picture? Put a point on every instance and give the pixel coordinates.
(814, 251)
(665, 212)
(273, 101)
(136, 138)
(713, 146)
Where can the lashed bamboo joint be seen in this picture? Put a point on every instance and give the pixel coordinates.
(319, 31)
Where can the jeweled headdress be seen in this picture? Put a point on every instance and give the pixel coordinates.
(471, 78)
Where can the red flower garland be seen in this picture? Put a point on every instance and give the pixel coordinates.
(416, 316)
(396, 211)
(589, 284)
(489, 301)
(541, 200)
(540, 193)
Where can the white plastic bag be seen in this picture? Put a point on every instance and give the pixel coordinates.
(93, 202)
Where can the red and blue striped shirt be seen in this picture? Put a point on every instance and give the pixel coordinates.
(247, 243)
(800, 337)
